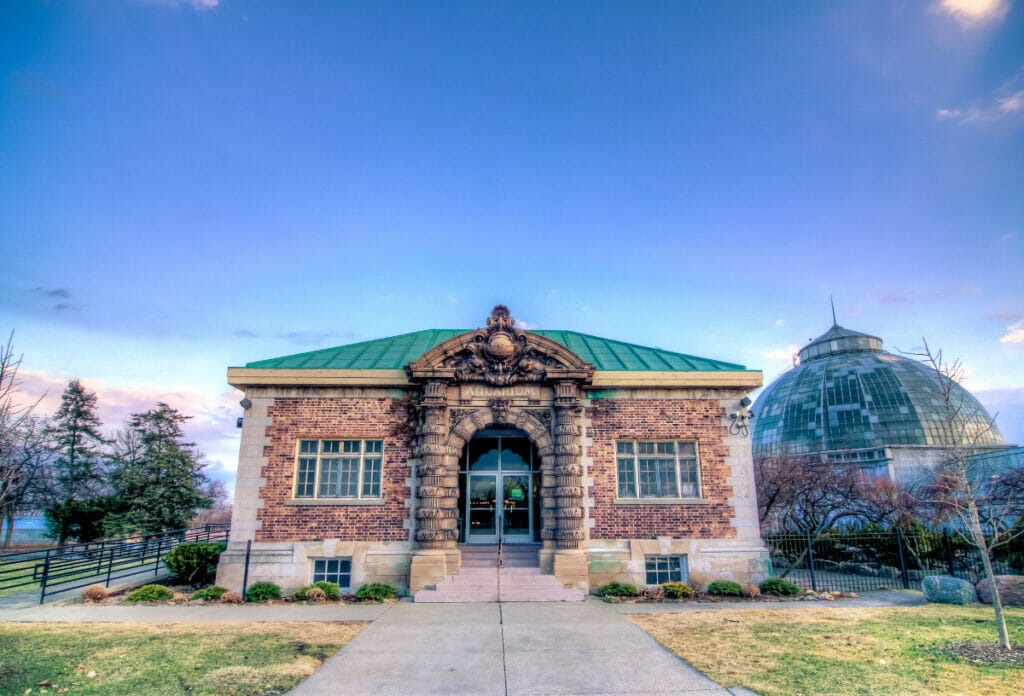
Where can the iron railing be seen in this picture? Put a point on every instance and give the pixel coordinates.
(74, 566)
(862, 561)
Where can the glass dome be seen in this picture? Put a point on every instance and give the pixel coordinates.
(852, 399)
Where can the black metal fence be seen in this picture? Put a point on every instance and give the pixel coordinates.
(74, 566)
(861, 561)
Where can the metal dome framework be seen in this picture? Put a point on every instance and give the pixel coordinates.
(850, 400)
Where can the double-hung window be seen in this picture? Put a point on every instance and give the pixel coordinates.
(330, 469)
(657, 469)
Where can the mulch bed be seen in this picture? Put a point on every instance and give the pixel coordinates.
(984, 653)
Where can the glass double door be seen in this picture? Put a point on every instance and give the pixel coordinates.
(499, 490)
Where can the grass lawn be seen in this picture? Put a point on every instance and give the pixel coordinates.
(835, 650)
(230, 659)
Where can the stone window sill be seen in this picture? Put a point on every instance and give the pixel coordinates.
(338, 501)
(660, 501)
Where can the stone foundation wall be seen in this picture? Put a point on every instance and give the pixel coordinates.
(707, 560)
(282, 518)
(290, 564)
(612, 419)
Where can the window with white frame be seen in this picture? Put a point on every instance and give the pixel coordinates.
(657, 469)
(662, 569)
(336, 570)
(330, 469)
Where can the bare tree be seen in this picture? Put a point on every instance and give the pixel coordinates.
(13, 415)
(976, 495)
(32, 487)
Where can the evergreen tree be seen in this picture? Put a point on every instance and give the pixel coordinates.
(77, 440)
(78, 464)
(159, 477)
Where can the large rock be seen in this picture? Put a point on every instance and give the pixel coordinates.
(1011, 590)
(945, 589)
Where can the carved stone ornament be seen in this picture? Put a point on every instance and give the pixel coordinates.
(500, 354)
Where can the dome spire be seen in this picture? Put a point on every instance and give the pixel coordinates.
(833, 303)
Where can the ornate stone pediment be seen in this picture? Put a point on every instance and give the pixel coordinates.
(500, 354)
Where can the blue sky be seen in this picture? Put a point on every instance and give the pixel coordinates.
(190, 185)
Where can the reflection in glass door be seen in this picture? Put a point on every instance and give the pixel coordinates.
(498, 486)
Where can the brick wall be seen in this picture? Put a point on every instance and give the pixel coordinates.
(293, 419)
(618, 419)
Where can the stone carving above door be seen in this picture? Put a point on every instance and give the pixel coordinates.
(501, 355)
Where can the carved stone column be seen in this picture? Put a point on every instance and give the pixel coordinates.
(437, 512)
(568, 467)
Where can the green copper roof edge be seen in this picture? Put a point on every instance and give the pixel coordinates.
(635, 352)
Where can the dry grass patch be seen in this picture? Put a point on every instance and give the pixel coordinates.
(239, 659)
(833, 650)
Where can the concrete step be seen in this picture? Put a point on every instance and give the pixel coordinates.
(432, 596)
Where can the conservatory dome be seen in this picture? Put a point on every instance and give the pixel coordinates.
(850, 399)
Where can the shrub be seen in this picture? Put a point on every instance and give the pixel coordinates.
(195, 563)
(725, 588)
(150, 593)
(779, 586)
(751, 591)
(95, 593)
(377, 592)
(331, 591)
(315, 594)
(262, 592)
(677, 590)
(209, 594)
(653, 594)
(231, 598)
(617, 589)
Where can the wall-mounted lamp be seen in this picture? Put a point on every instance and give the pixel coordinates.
(741, 418)
(245, 403)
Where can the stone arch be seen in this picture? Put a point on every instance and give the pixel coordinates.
(538, 433)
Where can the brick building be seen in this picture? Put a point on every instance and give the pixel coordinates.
(396, 460)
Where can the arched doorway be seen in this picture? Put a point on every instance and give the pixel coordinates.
(499, 488)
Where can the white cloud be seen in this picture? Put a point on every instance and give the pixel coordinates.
(197, 4)
(1014, 333)
(972, 13)
(786, 353)
(996, 109)
(780, 322)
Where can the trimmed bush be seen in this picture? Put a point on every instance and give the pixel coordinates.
(209, 594)
(231, 598)
(262, 592)
(617, 589)
(677, 590)
(195, 564)
(377, 592)
(330, 589)
(725, 588)
(150, 593)
(779, 586)
(315, 594)
(95, 593)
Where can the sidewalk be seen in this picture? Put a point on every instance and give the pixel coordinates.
(509, 649)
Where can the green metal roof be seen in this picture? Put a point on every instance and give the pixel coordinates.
(396, 352)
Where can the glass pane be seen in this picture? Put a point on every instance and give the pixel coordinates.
(483, 454)
(328, 478)
(515, 454)
(627, 478)
(371, 478)
(517, 504)
(482, 505)
(305, 484)
(349, 484)
(667, 485)
(330, 446)
(307, 446)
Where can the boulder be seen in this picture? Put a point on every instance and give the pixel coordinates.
(1011, 590)
(945, 589)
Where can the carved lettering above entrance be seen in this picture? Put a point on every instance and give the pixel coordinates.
(500, 355)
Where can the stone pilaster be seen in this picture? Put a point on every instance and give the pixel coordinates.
(570, 533)
(437, 512)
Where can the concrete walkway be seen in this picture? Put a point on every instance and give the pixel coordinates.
(504, 649)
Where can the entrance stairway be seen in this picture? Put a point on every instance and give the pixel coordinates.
(518, 580)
